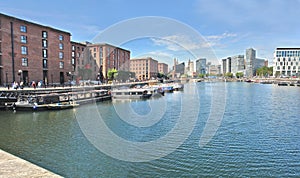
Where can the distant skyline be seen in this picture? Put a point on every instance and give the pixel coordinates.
(229, 26)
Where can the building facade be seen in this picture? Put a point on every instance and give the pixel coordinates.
(214, 69)
(226, 65)
(179, 69)
(144, 68)
(201, 66)
(103, 57)
(77, 59)
(163, 68)
(30, 51)
(286, 62)
(237, 64)
(249, 60)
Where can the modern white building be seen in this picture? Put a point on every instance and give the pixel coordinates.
(226, 65)
(286, 62)
(237, 64)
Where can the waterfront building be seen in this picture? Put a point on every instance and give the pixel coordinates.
(163, 68)
(226, 65)
(214, 69)
(258, 63)
(249, 60)
(179, 69)
(286, 62)
(77, 60)
(144, 68)
(248, 64)
(190, 71)
(30, 51)
(201, 66)
(103, 57)
(237, 64)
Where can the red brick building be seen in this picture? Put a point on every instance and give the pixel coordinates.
(30, 51)
(144, 68)
(78, 62)
(163, 68)
(105, 57)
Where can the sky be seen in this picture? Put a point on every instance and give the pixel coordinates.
(180, 29)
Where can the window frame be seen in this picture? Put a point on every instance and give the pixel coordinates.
(23, 28)
(24, 61)
(23, 39)
(44, 34)
(45, 53)
(61, 46)
(45, 65)
(45, 43)
(24, 50)
(61, 55)
(61, 38)
(61, 64)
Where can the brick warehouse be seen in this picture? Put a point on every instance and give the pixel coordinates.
(39, 52)
(107, 57)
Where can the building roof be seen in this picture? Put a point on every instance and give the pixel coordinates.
(78, 43)
(287, 48)
(28, 22)
(145, 58)
(106, 44)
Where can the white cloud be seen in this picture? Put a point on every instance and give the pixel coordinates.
(180, 42)
(184, 42)
(218, 40)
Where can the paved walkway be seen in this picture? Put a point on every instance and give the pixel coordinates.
(14, 167)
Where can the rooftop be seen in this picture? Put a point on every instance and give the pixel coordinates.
(28, 22)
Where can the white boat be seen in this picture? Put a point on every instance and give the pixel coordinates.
(132, 93)
(62, 105)
(25, 105)
(177, 86)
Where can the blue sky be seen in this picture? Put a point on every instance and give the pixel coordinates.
(227, 26)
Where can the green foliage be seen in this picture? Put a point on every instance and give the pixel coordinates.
(229, 74)
(112, 73)
(239, 74)
(264, 71)
(201, 75)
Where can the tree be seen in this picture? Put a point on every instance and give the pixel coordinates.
(264, 71)
(201, 75)
(229, 74)
(112, 73)
(239, 74)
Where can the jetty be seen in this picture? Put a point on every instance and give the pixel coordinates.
(15, 167)
(34, 99)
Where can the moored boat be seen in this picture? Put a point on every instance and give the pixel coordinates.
(63, 105)
(131, 93)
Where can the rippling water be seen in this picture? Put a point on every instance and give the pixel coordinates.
(259, 135)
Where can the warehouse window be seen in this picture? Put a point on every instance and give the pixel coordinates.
(24, 62)
(23, 50)
(23, 28)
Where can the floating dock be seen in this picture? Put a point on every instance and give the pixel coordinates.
(12, 166)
